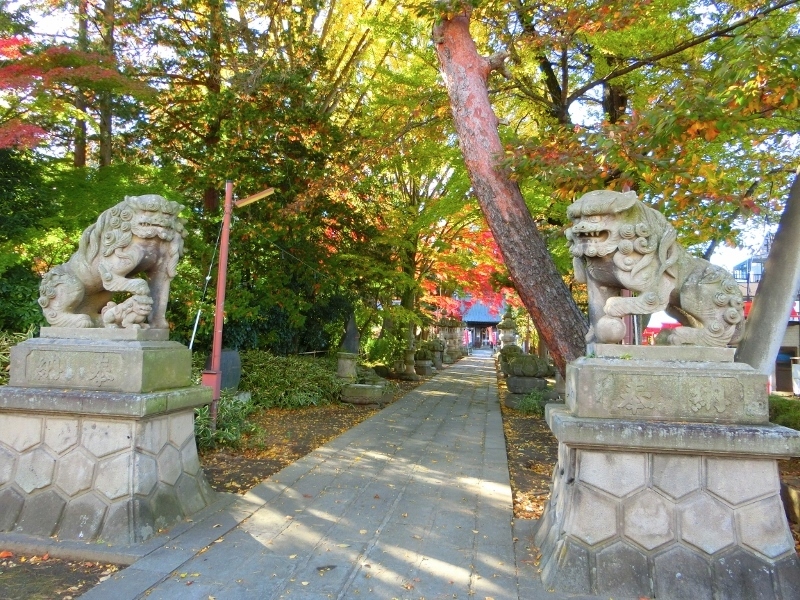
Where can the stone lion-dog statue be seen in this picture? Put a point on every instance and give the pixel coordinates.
(618, 243)
(140, 235)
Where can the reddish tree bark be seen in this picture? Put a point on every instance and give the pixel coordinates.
(541, 288)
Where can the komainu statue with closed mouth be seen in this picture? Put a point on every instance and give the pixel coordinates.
(140, 235)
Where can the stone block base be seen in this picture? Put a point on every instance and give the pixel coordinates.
(365, 393)
(405, 376)
(109, 365)
(713, 392)
(667, 525)
(94, 476)
(426, 370)
(525, 385)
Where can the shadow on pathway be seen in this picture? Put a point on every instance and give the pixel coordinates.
(414, 502)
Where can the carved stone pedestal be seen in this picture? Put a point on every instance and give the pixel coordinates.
(97, 436)
(675, 494)
(409, 374)
(424, 367)
(346, 367)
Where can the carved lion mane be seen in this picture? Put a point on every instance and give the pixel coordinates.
(141, 234)
(618, 243)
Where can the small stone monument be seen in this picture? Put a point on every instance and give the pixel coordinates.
(97, 422)
(667, 481)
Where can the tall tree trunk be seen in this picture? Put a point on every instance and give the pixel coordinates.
(615, 97)
(615, 100)
(79, 154)
(773, 301)
(212, 137)
(106, 111)
(538, 283)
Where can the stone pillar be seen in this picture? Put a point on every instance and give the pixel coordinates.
(667, 482)
(409, 372)
(97, 436)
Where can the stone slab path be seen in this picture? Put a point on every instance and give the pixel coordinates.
(413, 503)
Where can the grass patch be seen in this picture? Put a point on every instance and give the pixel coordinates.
(785, 411)
(232, 422)
(289, 381)
(532, 404)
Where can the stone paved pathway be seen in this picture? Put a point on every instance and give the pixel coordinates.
(412, 503)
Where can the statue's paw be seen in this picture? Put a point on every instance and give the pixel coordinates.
(616, 307)
(139, 287)
(57, 318)
(590, 335)
(684, 336)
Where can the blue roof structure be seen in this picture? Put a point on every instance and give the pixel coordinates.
(480, 313)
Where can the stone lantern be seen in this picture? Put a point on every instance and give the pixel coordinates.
(508, 329)
(450, 332)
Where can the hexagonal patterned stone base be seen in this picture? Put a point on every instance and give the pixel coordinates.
(676, 526)
(92, 477)
(667, 481)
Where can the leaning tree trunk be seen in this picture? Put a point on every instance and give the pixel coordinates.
(772, 305)
(537, 281)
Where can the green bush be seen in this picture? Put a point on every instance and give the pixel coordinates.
(423, 354)
(532, 403)
(289, 381)
(232, 422)
(785, 411)
(384, 349)
(434, 345)
(528, 365)
(509, 351)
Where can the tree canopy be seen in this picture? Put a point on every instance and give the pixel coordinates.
(340, 106)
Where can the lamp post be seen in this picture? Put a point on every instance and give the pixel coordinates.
(213, 377)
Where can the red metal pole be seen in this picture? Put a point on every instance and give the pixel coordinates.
(213, 376)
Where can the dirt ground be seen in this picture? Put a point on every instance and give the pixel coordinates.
(284, 437)
(45, 578)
